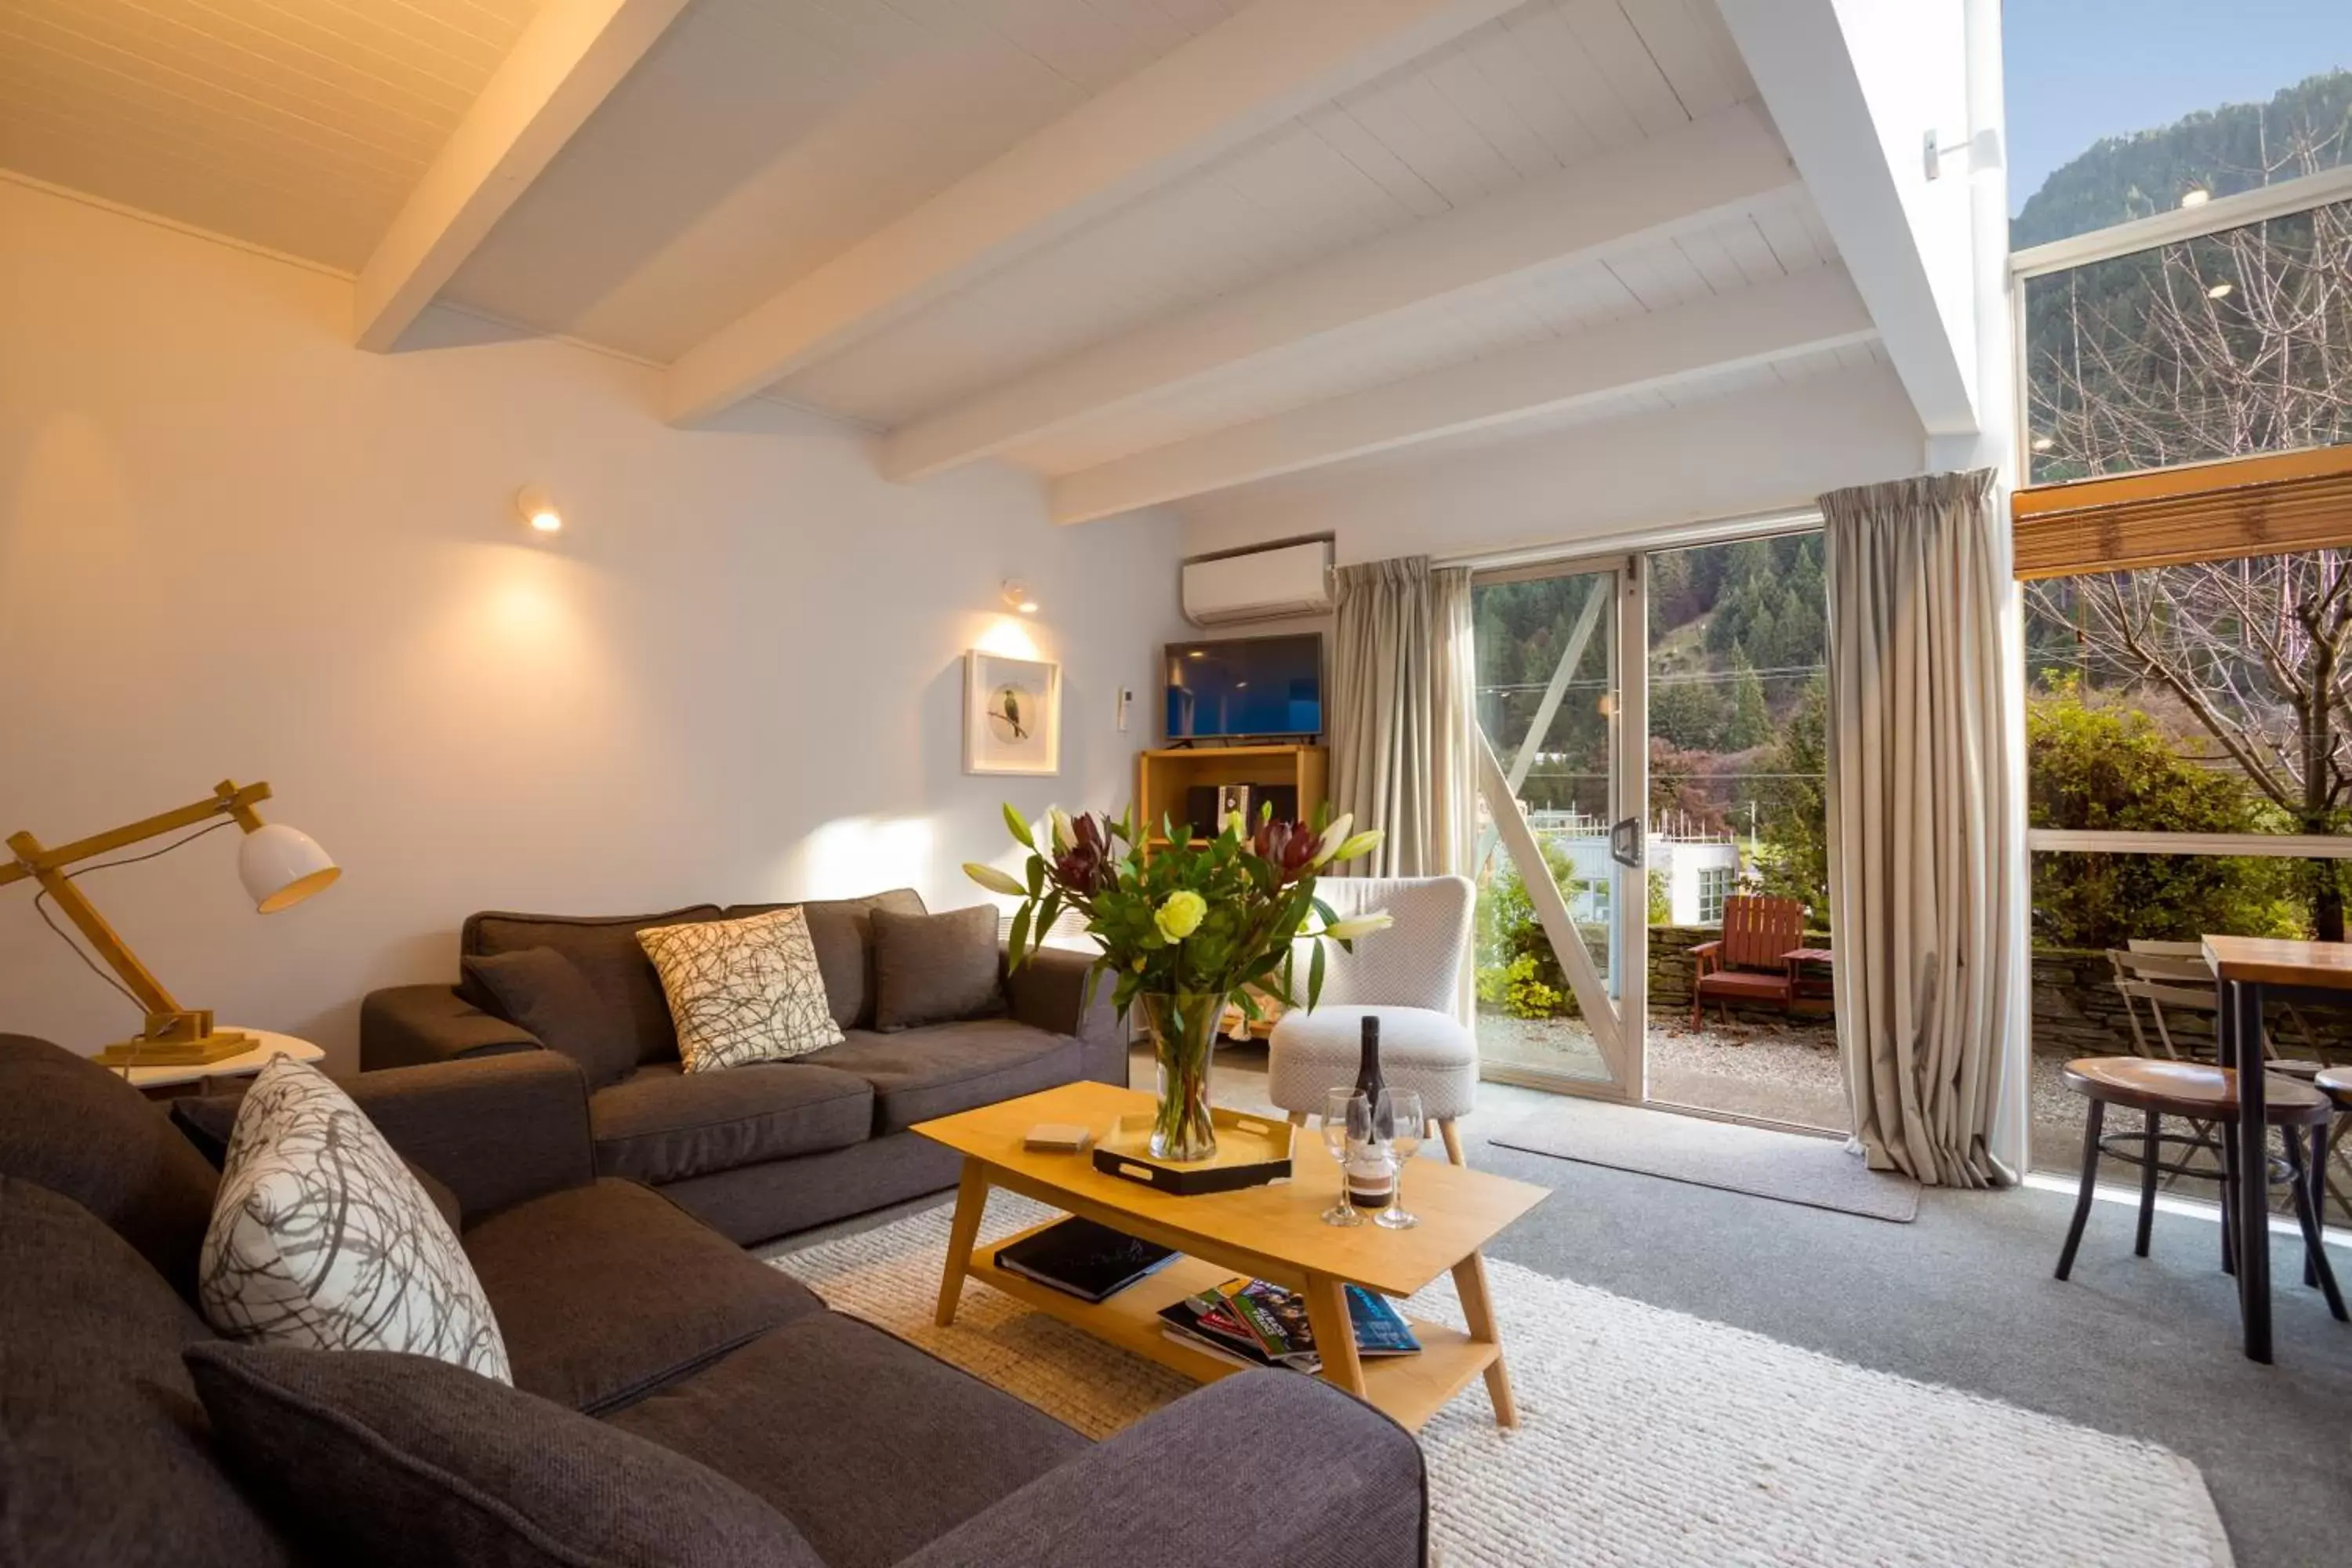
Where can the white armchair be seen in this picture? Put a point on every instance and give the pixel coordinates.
(1408, 976)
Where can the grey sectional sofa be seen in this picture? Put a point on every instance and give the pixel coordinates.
(618, 1307)
(761, 1152)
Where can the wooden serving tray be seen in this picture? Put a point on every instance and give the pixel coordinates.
(1251, 1151)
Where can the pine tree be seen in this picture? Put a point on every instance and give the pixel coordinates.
(1750, 723)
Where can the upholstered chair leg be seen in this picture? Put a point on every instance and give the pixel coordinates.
(1298, 1118)
(2094, 1114)
(1452, 1139)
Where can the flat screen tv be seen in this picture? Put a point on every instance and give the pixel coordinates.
(1267, 687)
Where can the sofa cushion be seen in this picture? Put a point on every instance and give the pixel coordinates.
(543, 992)
(604, 948)
(843, 931)
(947, 1067)
(105, 1459)
(870, 1447)
(742, 991)
(662, 1124)
(936, 969)
(322, 1239)
(70, 1125)
(396, 1459)
(606, 1290)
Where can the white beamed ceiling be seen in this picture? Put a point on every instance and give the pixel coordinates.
(754, 142)
(301, 128)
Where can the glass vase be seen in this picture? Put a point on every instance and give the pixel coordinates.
(1183, 1027)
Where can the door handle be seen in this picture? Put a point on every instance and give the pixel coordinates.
(1625, 843)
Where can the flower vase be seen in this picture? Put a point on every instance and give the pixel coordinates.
(1183, 1027)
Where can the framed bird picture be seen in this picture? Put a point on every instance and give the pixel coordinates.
(1012, 714)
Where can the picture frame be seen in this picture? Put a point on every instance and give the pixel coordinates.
(1012, 714)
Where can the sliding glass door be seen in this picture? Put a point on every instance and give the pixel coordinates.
(1562, 930)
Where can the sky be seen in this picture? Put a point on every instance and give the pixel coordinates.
(2080, 69)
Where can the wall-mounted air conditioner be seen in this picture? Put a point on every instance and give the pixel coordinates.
(1260, 585)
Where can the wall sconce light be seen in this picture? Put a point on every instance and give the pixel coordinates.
(1980, 154)
(1018, 597)
(537, 508)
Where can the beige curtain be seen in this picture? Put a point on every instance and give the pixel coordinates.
(1926, 889)
(1401, 715)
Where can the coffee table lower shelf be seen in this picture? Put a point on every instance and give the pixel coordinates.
(1410, 1388)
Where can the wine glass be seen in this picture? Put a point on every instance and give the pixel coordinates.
(1397, 1121)
(1346, 1118)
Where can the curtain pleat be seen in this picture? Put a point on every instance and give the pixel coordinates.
(1924, 877)
(1401, 714)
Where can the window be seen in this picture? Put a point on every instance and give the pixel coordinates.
(1716, 883)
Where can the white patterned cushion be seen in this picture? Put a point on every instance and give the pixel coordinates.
(1417, 962)
(321, 1237)
(742, 991)
(1310, 1054)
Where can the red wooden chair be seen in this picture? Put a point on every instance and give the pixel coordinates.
(1750, 961)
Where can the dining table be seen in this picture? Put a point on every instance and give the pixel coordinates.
(2249, 973)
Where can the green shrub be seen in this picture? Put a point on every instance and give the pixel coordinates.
(1517, 969)
(2101, 767)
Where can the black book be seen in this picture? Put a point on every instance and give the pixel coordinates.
(1079, 1258)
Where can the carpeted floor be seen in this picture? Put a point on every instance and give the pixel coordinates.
(2142, 1348)
(1646, 1437)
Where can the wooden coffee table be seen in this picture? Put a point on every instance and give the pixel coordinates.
(1269, 1232)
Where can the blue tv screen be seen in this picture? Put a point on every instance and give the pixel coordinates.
(1258, 686)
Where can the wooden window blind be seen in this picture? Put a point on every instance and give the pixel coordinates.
(2268, 505)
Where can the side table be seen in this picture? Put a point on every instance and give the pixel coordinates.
(172, 1082)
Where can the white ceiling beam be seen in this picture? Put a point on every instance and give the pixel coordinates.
(1725, 164)
(571, 55)
(1265, 64)
(1854, 90)
(1810, 310)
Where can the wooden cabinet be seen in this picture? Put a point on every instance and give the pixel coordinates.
(1164, 779)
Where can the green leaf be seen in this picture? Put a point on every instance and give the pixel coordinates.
(1037, 876)
(1020, 934)
(1315, 978)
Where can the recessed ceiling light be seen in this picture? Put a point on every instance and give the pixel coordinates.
(2044, 443)
(537, 508)
(2221, 291)
(2196, 198)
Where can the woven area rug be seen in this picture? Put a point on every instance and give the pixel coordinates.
(1646, 1435)
(1788, 1166)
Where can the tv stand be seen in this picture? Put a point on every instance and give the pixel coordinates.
(1163, 778)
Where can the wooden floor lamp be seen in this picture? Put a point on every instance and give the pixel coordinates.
(281, 867)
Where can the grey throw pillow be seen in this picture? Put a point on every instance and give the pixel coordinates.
(393, 1459)
(538, 989)
(935, 969)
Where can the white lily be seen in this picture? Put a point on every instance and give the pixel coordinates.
(1236, 825)
(1355, 926)
(1066, 837)
(1333, 837)
(994, 881)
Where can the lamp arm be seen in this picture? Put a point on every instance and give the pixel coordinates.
(164, 1014)
(237, 800)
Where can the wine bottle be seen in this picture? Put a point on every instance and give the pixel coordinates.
(1371, 1177)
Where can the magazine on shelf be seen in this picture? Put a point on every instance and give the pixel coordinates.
(1254, 1323)
(1081, 1258)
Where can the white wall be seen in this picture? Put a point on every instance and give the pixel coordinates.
(1735, 457)
(230, 545)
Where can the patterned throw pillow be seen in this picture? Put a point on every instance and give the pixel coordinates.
(321, 1237)
(742, 991)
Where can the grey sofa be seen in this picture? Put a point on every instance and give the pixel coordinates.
(615, 1303)
(764, 1150)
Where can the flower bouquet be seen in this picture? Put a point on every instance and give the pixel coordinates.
(1185, 926)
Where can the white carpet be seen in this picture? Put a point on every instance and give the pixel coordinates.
(1646, 1437)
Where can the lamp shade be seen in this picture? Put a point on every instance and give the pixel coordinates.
(282, 866)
